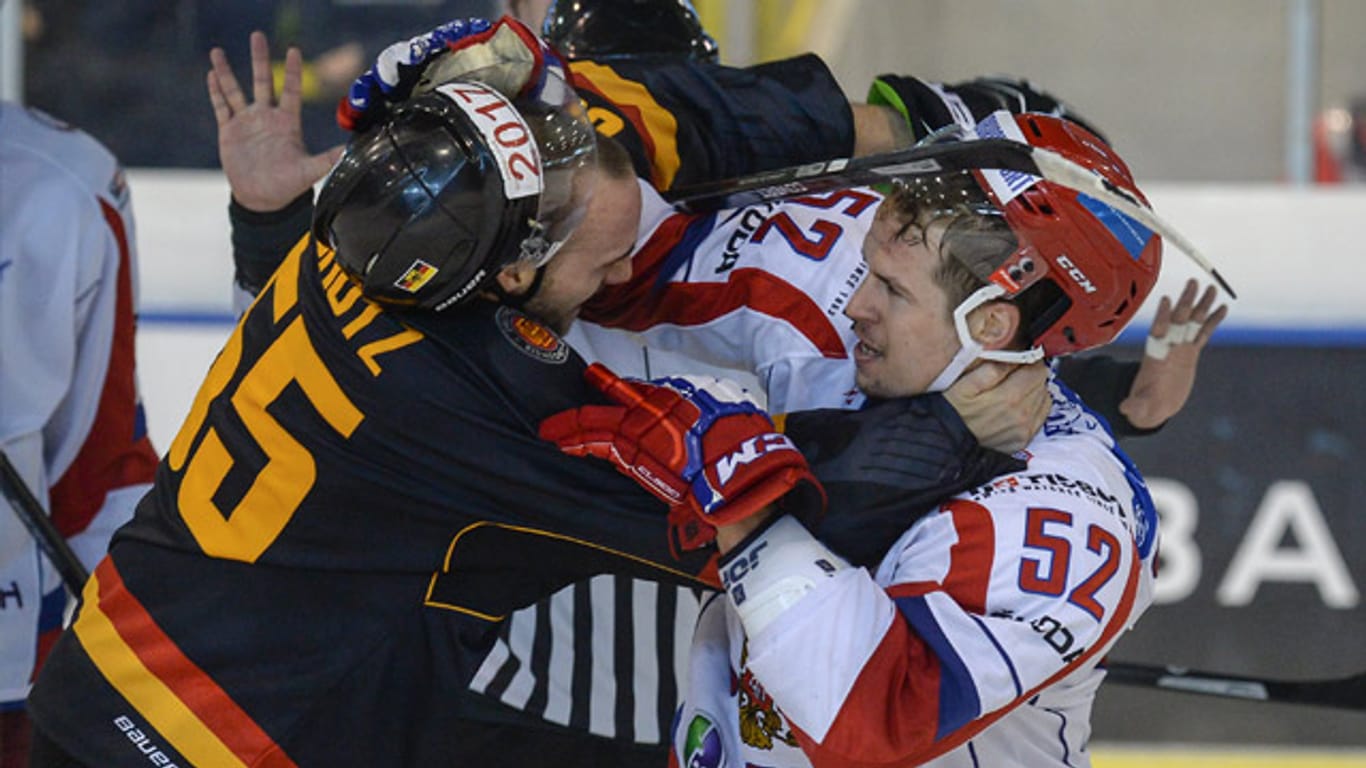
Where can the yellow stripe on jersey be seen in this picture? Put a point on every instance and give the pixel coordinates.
(152, 698)
(660, 127)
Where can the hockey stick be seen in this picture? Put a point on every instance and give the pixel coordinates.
(1340, 693)
(933, 160)
(842, 173)
(39, 525)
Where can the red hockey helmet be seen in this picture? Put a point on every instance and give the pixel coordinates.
(1082, 267)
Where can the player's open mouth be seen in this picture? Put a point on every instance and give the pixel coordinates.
(863, 352)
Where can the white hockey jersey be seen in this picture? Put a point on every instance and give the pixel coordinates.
(976, 642)
(759, 289)
(69, 414)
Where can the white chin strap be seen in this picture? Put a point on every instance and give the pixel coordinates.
(969, 351)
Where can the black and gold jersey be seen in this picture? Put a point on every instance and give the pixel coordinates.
(687, 122)
(355, 501)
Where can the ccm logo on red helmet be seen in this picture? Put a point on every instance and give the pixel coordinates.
(505, 133)
(750, 450)
(1076, 274)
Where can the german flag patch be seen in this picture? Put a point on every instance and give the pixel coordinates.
(417, 276)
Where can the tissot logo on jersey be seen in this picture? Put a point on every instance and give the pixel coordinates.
(505, 132)
(1046, 482)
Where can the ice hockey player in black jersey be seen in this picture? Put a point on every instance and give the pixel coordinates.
(358, 495)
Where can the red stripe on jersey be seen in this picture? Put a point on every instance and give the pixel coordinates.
(613, 304)
(111, 456)
(891, 713)
(700, 303)
(631, 114)
(970, 560)
(191, 686)
(1118, 618)
(643, 302)
(653, 125)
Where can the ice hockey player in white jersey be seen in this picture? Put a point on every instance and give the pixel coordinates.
(70, 418)
(978, 639)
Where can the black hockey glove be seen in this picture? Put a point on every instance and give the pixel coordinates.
(928, 106)
(887, 465)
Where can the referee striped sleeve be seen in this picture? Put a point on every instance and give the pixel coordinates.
(602, 656)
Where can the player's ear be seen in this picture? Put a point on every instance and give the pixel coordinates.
(995, 324)
(516, 278)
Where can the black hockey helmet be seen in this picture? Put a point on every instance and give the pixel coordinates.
(604, 29)
(425, 208)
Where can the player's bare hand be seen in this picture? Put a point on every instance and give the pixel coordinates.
(260, 142)
(1003, 405)
(1167, 374)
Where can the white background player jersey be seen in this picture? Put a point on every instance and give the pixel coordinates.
(67, 276)
(974, 644)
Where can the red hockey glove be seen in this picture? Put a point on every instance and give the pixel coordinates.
(714, 461)
(504, 55)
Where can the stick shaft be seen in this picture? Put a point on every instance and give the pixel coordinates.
(1340, 693)
(933, 160)
(841, 173)
(30, 512)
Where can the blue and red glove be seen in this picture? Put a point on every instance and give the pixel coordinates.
(505, 55)
(714, 461)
